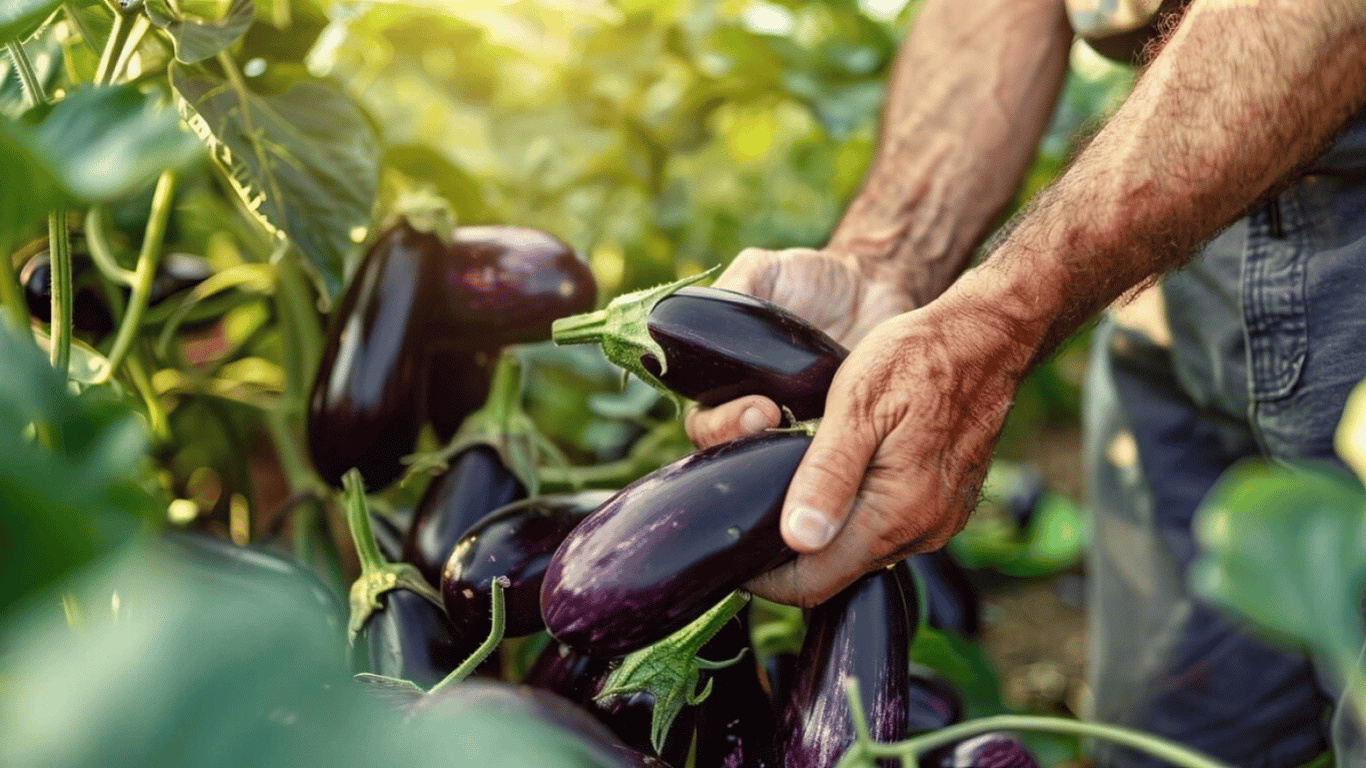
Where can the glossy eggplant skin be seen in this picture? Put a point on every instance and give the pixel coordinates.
(723, 344)
(781, 670)
(989, 750)
(672, 544)
(89, 311)
(390, 531)
(595, 744)
(951, 599)
(456, 385)
(509, 283)
(735, 724)
(563, 670)
(363, 411)
(407, 638)
(476, 484)
(863, 632)
(514, 541)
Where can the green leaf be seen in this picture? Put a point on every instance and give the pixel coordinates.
(962, 663)
(196, 40)
(19, 17)
(22, 166)
(72, 470)
(305, 162)
(1282, 547)
(106, 141)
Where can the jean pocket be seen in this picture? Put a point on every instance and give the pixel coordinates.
(1273, 299)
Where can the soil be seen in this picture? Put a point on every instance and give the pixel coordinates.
(1033, 630)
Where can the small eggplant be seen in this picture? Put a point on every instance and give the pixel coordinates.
(457, 383)
(951, 600)
(575, 736)
(781, 670)
(933, 702)
(90, 311)
(671, 545)
(514, 541)
(407, 638)
(713, 345)
(864, 632)
(579, 677)
(390, 531)
(476, 484)
(735, 724)
(507, 284)
(363, 411)
(989, 750)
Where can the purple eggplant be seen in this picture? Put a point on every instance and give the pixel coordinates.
(990, 750)
(514, 541)
(951, 599)
(781, 670)
(477, 483)
(390, 531)
(716, 344)
(735, 724)
(457, 383)
(584, 740)
(862, 633)
(671, 545)
(933, 702)
(407, 638)
(508, 284)
(579, 677)
(363, 411)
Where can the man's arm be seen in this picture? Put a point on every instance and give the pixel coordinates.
(970, 94)
(1245, 92)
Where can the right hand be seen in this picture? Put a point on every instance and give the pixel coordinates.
(827, 289)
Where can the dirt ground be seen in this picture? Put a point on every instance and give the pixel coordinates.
(1034, 629)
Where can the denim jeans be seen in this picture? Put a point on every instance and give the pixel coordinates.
(1268, 337)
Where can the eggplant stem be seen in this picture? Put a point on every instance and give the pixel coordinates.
(585, 328)
(490, 643)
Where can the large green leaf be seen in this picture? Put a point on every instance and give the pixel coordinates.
(305, 162)
(18, 17)
(103, 142)
(1282, 547)
(196, 40)
(22, 167)
(71, 471)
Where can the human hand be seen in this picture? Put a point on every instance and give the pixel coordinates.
(823, 287)
(899, 458)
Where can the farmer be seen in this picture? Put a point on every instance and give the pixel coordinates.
(1217, 224)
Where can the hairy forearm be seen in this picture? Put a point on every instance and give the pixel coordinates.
(1243, 94)
(971, 93)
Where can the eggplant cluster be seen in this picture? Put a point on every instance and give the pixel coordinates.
(414, 337)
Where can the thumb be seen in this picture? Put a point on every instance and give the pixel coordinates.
(823, 489)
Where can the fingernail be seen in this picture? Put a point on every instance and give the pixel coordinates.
(808, 527)
(753, 420)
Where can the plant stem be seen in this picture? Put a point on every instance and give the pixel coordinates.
(148, 259)
(156, 415)
(101, 253)
(113, 46)
(358, 522)
(33, 89)
(74, 16)
(59, 255)
(1163, 749)
(303, 336)
(297, 473)
(130, 45)
(491, 642)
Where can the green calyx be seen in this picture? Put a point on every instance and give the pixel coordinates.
(670, 669)
(622, 328)
(429, 213)
(377, 575)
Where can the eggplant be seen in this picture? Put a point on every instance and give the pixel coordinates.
(407, 638)
(864, 632)
(735, 723)
(671, 545)
(509, 283)
(476, 483)
(457, 383)
(780, 670)
(89, 309)
(716, 345)
(363, 411)
(581, 739)
(951, 599)
(514, 541)
(390, 531)
(933, 702)
(989, 750)
(579, 677)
